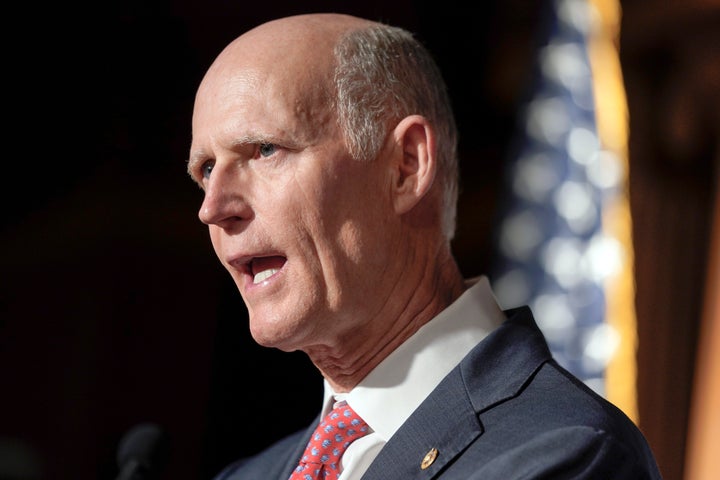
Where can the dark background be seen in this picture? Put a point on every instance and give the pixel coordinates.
(113, 307)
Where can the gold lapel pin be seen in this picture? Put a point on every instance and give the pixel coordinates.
(429, 458)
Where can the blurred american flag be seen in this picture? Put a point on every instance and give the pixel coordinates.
(554, 250)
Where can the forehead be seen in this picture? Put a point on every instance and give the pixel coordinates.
(271, 93)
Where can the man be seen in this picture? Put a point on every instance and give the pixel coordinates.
(326, 148)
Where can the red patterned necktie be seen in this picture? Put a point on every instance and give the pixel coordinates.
(328, 442)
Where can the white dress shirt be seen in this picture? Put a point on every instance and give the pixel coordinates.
(390, 393)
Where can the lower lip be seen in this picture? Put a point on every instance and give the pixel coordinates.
(250, 286)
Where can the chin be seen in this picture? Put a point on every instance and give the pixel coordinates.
(272, 334)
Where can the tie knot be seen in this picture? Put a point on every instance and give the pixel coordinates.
(328, 442)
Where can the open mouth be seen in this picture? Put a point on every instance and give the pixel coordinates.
(263, 268)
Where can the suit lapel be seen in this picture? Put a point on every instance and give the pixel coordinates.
(403, 455)
(498, 367)
(447, 420)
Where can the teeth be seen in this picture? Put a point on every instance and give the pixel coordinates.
(264, 275)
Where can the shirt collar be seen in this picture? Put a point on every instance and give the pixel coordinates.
(389, 394)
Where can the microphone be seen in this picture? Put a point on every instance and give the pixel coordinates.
(142, 452)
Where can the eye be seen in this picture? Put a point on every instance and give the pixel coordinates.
(267, 149)
(206, 169)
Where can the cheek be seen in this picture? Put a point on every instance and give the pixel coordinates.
(356, 218)
(350, 238)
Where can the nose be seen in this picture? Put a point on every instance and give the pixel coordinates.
(224, 203)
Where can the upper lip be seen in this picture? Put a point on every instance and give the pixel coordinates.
(243, 262)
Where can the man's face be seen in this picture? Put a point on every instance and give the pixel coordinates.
(302, 228)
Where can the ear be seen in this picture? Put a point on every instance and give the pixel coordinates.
(414, 164)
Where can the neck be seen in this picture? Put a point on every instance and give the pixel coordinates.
(412, 303)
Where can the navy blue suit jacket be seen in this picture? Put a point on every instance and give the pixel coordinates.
(507, 411)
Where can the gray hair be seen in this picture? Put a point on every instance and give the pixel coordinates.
(384, 74)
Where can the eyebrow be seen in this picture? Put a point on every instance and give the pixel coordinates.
(201, 154)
